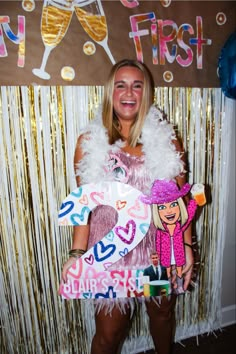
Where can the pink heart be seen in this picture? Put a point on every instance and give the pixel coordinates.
(76, 269)
(138, 210)
(84, 200)
(89, 259)
(107, 265)
(97, 198)
(120, 204)
(91, 273)
(126, 234)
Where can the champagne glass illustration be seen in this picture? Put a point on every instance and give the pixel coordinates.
(55, 20)
(91, 15)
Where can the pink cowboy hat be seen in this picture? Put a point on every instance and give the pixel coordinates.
(164, 191)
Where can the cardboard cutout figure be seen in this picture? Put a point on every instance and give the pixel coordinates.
(171, 218)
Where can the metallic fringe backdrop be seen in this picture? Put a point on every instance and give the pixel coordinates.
(39, 127)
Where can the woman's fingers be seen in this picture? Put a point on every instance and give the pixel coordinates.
(66, 267)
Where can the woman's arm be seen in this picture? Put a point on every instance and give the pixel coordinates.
(80, 233)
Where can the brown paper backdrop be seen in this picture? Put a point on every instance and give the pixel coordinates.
(93, 69)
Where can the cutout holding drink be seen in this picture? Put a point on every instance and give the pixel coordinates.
(172, 218)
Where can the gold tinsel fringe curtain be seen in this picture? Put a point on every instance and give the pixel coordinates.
(39, 127)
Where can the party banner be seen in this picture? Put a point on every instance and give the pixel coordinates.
(92, 275)
(75, 42)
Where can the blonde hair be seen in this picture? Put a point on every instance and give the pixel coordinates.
(110, 121)
(183, 214)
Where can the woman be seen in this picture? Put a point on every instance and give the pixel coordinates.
(130, 142)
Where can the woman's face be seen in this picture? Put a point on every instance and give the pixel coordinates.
(128, 92)
(169, 212)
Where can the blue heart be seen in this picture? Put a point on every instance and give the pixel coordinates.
(107, 294)
(108, 250)
(80, 216)
(123, 253)
(110, 236)
(77, 192)
(64, 205)
(144, 228)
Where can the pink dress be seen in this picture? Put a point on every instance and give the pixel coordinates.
(128, 169)
(163, 240)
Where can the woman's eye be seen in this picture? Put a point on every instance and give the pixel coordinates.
(119, 86)
(174, 204)
(138, 86)
(161, 207)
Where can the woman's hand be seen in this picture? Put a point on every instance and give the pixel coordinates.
(187, 269)
(66, 267)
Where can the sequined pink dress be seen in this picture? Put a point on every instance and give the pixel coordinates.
(128, 169)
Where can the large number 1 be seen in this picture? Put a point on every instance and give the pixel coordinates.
(90, 277)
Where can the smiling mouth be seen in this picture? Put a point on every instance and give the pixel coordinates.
(170, 217)
(128, 103)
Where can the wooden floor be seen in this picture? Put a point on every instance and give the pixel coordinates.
(220, 342)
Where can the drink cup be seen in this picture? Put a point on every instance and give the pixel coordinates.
(159, 288)
(146, 286)
(198, 193)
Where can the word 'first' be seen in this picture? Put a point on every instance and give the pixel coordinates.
(158, 28)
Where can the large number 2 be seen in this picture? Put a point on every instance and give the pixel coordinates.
(90, 277)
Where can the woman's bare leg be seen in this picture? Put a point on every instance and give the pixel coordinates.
(162, 323)
(111, 330)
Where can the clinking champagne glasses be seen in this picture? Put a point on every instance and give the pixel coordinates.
(55, 20)
(91, 16)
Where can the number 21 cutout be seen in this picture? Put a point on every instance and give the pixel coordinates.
(89, 277)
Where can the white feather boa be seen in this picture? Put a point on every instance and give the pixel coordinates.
(161, 158)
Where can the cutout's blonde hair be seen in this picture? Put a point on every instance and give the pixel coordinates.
(109, 119)
(183, 214)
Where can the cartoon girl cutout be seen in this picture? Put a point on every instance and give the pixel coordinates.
(171, 218)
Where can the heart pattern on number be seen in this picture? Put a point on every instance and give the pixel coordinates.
(68, 206)
(79, 217)
(110, 236)
(97, 198)
(132, 225)
(144, 228)
(124, 253)
(102, 252)
(84, 200)
(75, 270)
(120, 204)
(91, 273)
(63, 222)
(89, 259)
(107, 265)
(126, 234)
(110, 294)
(77, 193)
(138, 210)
